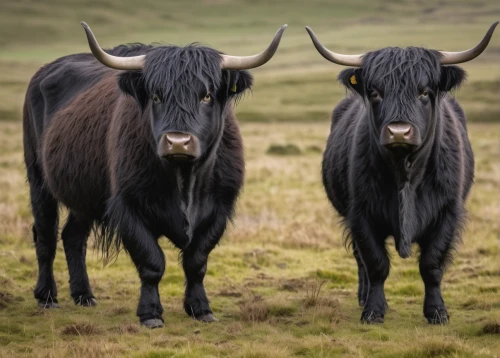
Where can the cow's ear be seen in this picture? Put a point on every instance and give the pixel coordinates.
(235, 83)
(451, 78)
(132, 83)
(351, 78)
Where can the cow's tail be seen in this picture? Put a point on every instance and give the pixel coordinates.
(107, 236)
(106, 241)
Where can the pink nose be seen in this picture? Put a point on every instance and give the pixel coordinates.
(178, 140)
(178, 144)
(399, 132)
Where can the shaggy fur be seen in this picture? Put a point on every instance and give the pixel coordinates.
(415, 196)
(90, 141)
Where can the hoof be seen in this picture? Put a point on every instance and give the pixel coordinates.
(209, 317)
(86, 302)
(439, 316)
(152, 323)
(372, 317)
(47, 304)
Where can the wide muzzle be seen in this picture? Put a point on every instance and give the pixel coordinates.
(179, 146)
(399, 134)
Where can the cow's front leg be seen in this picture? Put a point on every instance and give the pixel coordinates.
(435, 248)
(194, 262)
(371, 250)
(149, 260)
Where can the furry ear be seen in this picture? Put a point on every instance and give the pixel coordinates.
(132, 83)
(351, 78)
(451, 78)
(236, 82)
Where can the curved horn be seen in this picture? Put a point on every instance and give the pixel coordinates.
(450, 58)
(119, 63)
(247, 62)
(338, 58)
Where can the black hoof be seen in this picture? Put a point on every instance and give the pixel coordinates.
(47, 304)
(86, 302)
(439, 316)
(152, 323)
(372, 317)
(209, 317)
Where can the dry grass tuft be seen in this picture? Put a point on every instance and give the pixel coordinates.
(119, 311)
(313, 291)
(5, 299)
(81, 329)
(293, 285)
(230, 292)
(126, 329)
(287, 149)
(491, 328)
(255, 309)
(436, 349)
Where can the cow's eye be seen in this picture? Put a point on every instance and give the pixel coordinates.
(374, 95)
(424, 94)
(155, 98)
(207, 98)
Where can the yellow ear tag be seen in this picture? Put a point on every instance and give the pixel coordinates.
(233, 89)
(353, 80)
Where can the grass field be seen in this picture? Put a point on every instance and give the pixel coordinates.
(281, 281)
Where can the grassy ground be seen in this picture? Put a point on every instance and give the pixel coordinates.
(281, 281)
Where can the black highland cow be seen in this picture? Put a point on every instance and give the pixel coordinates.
(151, 150)
(398, 162)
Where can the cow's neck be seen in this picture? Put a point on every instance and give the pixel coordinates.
(408, 173)
(194, 184)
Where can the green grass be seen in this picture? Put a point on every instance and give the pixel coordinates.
(281, 281)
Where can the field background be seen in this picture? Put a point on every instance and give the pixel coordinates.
(281, 281)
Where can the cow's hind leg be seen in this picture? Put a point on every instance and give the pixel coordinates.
(435, 249)
(194, 262)
(363, 283)
(74, 236)
(46, 217)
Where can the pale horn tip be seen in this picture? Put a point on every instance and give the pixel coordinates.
(280, 31)
(84, 25)
(492, 28)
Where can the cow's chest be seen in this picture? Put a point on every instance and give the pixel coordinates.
(389, 207)
(180, 216)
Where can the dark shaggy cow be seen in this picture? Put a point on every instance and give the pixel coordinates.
(398, 163)
(136, 154)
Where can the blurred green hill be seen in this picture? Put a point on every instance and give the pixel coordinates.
(297, 84)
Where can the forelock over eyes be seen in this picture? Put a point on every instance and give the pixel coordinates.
(180, 71)
(401, 69)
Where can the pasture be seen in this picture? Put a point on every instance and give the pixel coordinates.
(281, 282)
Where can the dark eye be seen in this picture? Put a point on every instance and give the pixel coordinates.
(374, 95)
(424, 94)
(207, 98)
(155, 98)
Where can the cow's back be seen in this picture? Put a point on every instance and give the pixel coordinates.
(74, 148)
(68, 107)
